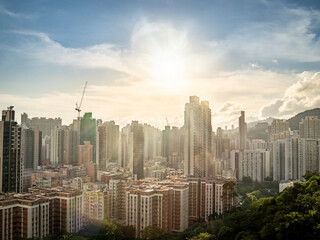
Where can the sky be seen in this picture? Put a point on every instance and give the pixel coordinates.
(142, 59)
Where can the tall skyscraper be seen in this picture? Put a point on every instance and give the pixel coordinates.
(70, 146)
(221, 145)
(152, 138)
(198, 159)
(166, 143)
(88, 127)
(242, 132)
(171, 146)
(31, 147)
(56, 146)
(137, 149)
(64, 146)
(10, 153)
(108, 144)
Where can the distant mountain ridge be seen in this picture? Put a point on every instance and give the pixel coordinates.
(257, 133)
(295, 120)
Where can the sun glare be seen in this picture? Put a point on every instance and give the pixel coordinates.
(168, 69)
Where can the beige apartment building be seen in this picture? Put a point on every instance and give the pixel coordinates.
(40, 212)
(159, 205)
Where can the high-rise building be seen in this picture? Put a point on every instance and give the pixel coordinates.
(137, 149)
(96, 202)
(310, 127)
(108, 144)
(171, 146)
(85, 158)
(56, 146)
(288, 158)
(37, 146)
(25, 121)
(293, 157)
(65, 208)
(279, 129)
(88, 127)
(132, 149)
(31, 147)
(27, 147)
(25, 216)
(291, 165)
(45, 125)
(235, 157)
(258, 144)
(255, 164)
(10, 153)
(64, 146)
(242, 132)
(70, 147)
(309, 157)
(166, 143)
(117, 199)
(198, 159)
(278, 158)
(46, 150)
(209, 196)
(161, 205)
(221, 145)
(152, 138)
(40, 212)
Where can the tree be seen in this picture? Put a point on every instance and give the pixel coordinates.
(204, 236)
(309, 174)
(151, 232)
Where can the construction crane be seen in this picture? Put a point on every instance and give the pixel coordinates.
(78, 107)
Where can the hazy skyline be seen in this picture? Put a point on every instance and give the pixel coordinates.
(143, 59)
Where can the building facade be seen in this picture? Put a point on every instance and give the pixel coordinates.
(10, 153)
(198, 158)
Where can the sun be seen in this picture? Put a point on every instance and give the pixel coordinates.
(168, 68)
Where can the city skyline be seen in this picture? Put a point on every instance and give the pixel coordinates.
(143, 59)
(159, 119)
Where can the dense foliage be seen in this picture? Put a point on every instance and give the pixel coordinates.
(293, 214)
(263, 189)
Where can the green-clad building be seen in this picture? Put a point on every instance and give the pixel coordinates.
(88, 127)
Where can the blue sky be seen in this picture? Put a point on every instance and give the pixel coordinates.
(143, 58)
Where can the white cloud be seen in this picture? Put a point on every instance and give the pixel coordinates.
(289, 37)
(246, 87)
(255, 66)
(301, 96)
(97, 56)
(7, 12)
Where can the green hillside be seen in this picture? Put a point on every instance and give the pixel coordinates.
(294, 121)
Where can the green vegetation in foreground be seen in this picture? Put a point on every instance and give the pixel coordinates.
(293, 214)
(261, 190)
